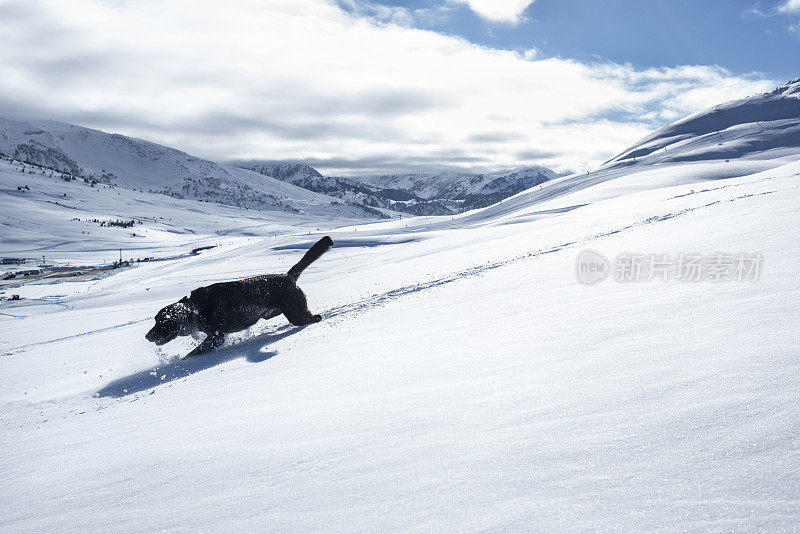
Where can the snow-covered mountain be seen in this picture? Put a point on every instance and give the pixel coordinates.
(460, 185)
(462, 378)
(766, 124)
(460, 192)
(418, 194)
(130, 163)
(295, 173)
(734, 139)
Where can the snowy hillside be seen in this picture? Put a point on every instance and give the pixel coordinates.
(734, 139)
(418, 194)
(294, 173)
(767, 125)
(141, 165)
(462, 379)
(43, 213)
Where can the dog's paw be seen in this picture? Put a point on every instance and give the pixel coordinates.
(316, 318)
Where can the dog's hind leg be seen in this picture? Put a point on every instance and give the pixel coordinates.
(211, 342)
(299, 317)
(295, 308)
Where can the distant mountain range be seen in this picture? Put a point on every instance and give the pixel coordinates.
(114, 159)
(417, 194)
(766, 124)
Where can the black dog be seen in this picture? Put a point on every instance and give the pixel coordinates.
(228, 307)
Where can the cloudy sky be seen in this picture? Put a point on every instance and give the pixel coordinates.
(360, 86)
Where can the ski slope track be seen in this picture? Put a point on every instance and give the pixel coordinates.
(462, 378)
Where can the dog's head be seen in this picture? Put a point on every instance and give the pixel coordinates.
(178, 319)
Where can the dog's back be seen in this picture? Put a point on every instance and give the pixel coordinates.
(233, 306)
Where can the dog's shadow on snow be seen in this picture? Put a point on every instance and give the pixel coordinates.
(253, 350)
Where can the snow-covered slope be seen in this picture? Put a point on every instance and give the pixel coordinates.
(141, 165)
(44, 214)
(462, 379)
(418, 194)
(767, 125)
(733, 139)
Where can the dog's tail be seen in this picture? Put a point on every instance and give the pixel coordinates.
(319, 248)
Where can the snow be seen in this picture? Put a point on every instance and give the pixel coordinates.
(56, 218)
(420, 194)
(135, 164)
(749, 127)
(450, 185)
(462, 379)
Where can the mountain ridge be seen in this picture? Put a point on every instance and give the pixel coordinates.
(414, 193)
(773, 119)
(137, 164)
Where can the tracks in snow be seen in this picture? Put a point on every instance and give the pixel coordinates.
(23, 348)
(380, 299)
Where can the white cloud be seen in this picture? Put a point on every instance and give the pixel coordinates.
(499, 10)
(790, 6)
(305, 79)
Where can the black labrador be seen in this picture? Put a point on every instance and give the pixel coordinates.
(228, 307)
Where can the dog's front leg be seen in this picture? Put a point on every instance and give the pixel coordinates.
(211, 342)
